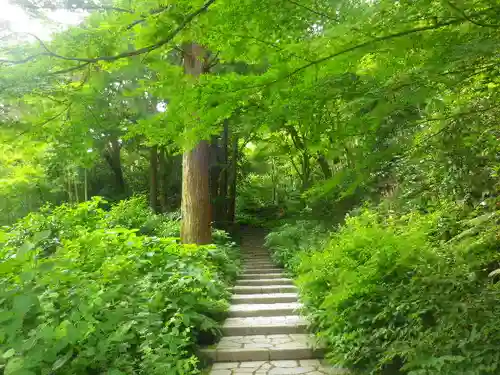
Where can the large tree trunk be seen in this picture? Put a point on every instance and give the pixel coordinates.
(112, 156)
(162, 183)
(153, 178)
(195, 196)
(195, 190)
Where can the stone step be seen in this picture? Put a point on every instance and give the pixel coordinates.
(264, 298)
(253, 276)
(264, 325)
(255, 289)
(264, 309)
(264, 348)
(257, 258)
(264, 281)
(283, 367)
(258, 266)
(252, 269)
(254, 263)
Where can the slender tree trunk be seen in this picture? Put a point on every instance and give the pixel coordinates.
(86, 186)
(68, 177)
(306, 171)
(112, 156)
(162, 183)
(273, 179)
(195, 204)
(231, 210)
(75, 185)
(213, 182)
(153, 178)
(223, 179)
(325, 167)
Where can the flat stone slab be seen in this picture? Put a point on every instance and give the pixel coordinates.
(264, 298)
(251, 276)
(256, 289)
(283, 367)
(264, 325)
(262, 269)
(264, 309)
(264, 348)
(264, 281)
(268, 342)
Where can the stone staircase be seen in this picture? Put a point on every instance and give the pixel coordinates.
(264, 334)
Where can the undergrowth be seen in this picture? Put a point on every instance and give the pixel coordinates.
(89, 291)
(414, 293)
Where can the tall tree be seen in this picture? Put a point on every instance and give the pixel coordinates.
(195, 207)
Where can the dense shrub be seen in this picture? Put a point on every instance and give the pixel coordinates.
(83, 292)
(389, 295)
(289, 241)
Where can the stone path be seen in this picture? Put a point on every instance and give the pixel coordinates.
(264, 334)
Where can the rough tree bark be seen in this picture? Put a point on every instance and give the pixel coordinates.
(153, 178)
(195, 204)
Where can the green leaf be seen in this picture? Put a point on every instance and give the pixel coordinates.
(61, 361)
(22, 304)
(494, 273)
(16, 366)
(9, 353)
(24, 249)
(41, 235)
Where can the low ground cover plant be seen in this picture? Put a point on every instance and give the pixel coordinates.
(89, 291)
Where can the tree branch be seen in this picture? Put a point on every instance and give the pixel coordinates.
(356, 47)
(295, 167)
(274, 45)
(468, 18)
(122, 55)
(22, 61)
(69, 70)
(151, 13)
(215, 60)
(318, 13)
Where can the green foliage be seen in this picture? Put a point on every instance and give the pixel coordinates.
(327, 107)
(289, 242)
(83, 291)
(135, 213)
(395, 294)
